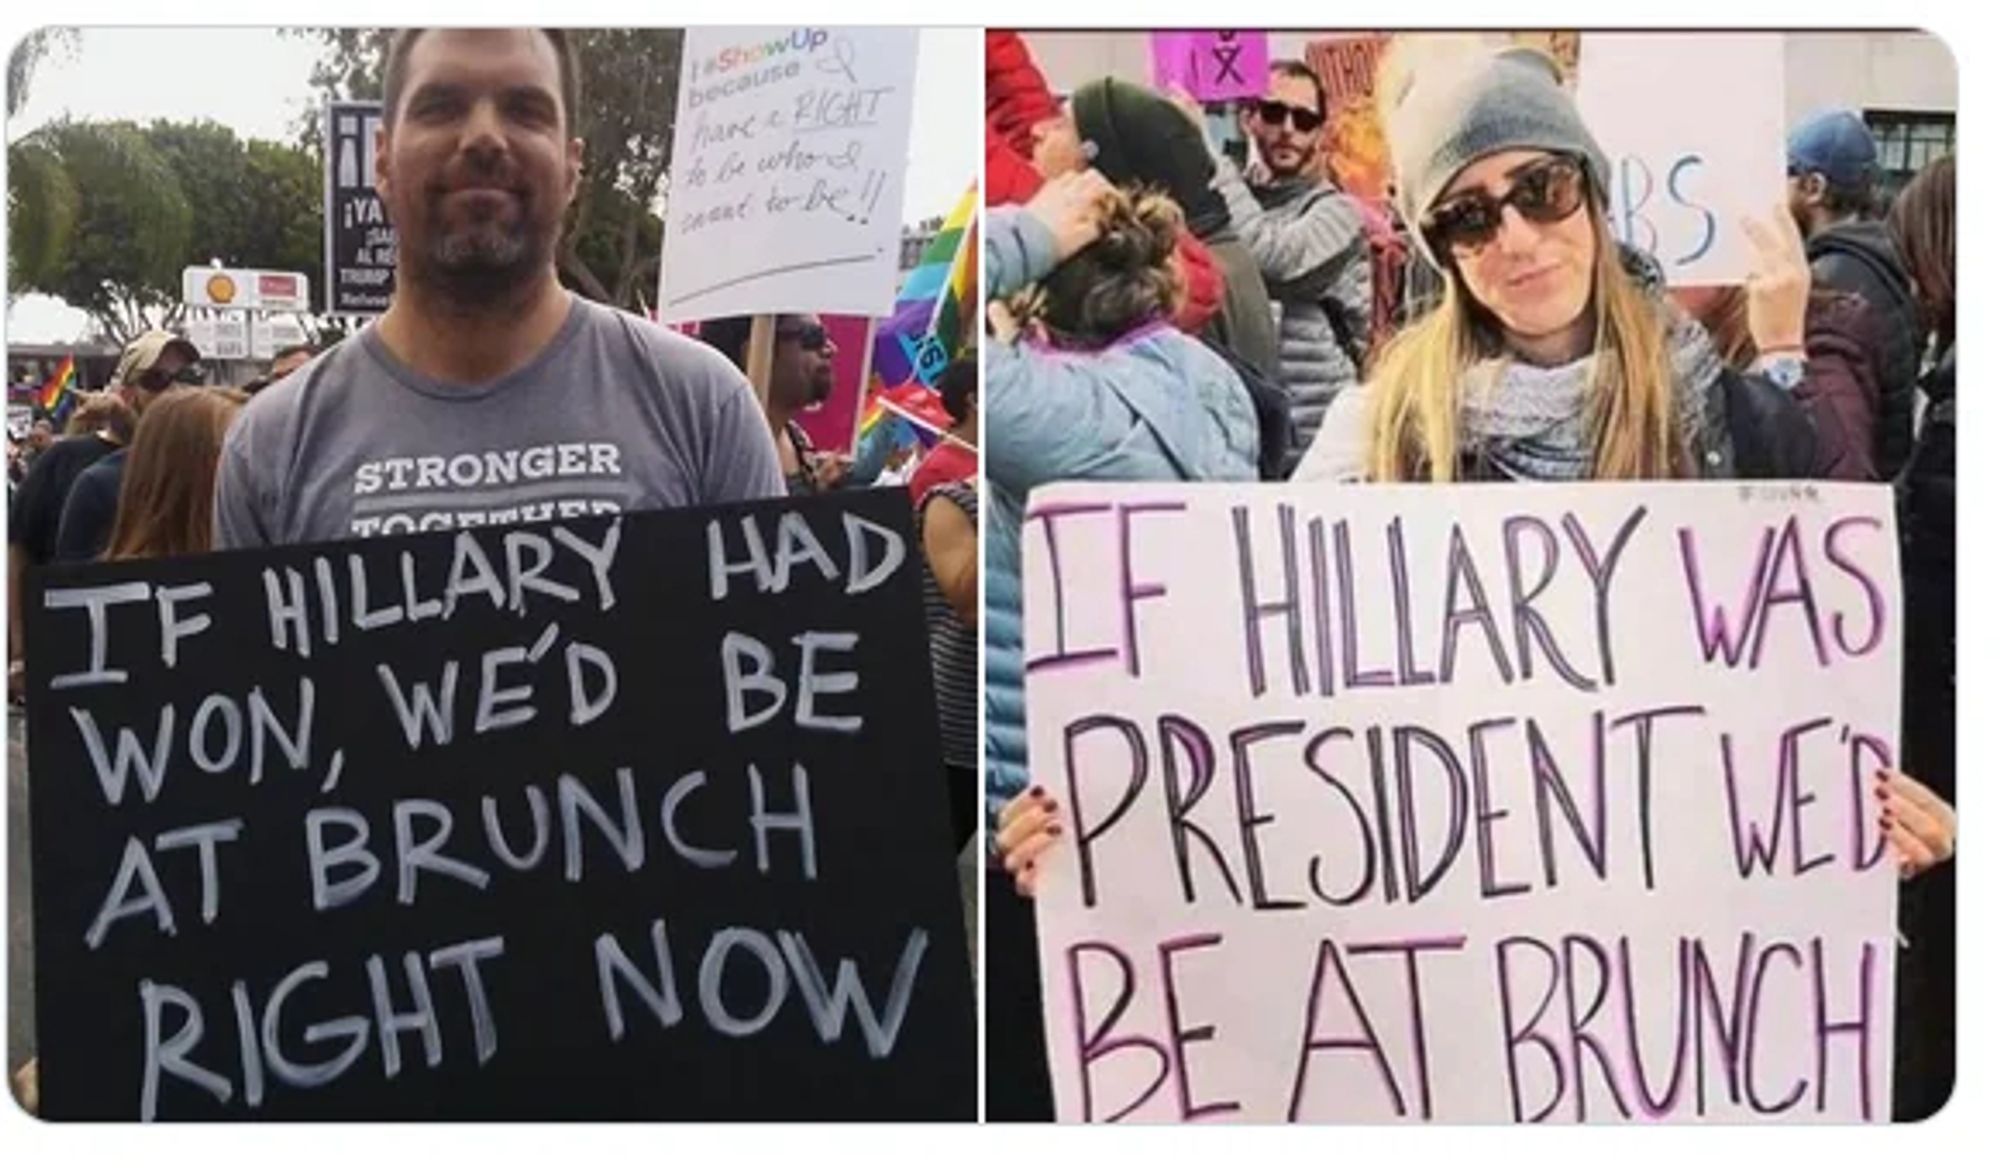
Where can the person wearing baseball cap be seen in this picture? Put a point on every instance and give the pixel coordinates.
(153, 364)
(1832, 179)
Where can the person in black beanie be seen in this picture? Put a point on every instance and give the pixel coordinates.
(1140, 138)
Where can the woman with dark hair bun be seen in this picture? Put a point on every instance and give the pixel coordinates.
(1086, 379)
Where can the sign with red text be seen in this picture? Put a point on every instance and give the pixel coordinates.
(1465, 804)
(236, 290)
(785, 191)
(1212, 66)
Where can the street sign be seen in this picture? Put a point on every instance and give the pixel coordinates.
(221, 336)
(360, 243)
(269, 334)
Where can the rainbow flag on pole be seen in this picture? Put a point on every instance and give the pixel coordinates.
(933, 323)
(58, 392)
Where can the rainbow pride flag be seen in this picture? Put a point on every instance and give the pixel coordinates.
(58, 392)
(933, 323)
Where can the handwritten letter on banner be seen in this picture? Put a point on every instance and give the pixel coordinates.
(1472, 804)
(1694, 125)
(786, 186)
(621, 817)
(1212, 66)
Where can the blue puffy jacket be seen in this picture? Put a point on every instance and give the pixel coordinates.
(1155, 405)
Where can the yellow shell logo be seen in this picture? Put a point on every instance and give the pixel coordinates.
(221, 289)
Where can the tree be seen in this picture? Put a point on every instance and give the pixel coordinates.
(121, 259)
(106, 215)
(286, 229)
(610, 249)
(41, 214)
(33, 48)
(208, 163)
(255, 204)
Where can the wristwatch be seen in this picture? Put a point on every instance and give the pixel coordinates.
(1785, 369)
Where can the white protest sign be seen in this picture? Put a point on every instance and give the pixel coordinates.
(785, 192)
(1694, 125)
(1465, 804)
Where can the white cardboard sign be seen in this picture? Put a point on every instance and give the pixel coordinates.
(786, 185)
(1694, 126)
(1465, 804)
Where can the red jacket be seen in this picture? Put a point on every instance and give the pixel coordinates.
(1017, 100)
(1011, 179)
(1017, 96)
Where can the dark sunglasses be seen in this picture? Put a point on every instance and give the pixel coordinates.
(1545, 192)
(1274, 113)
(155, 380)
(811, 336)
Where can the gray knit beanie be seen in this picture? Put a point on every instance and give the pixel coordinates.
(1450, 116)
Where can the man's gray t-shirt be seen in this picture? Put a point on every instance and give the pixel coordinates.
(615, 414)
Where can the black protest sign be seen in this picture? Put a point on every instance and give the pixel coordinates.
(360, 243)
(619, 818)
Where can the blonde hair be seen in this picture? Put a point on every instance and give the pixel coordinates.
(1418, 379)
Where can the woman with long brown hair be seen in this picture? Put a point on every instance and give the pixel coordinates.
(166, 505)
(1923, 224)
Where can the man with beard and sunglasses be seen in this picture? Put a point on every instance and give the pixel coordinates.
(1309, 241)
(801, 377)
(486, 393)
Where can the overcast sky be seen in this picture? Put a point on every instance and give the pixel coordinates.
(254, 80)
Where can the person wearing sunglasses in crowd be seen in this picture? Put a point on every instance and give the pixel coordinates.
(152, 366)
(801, 377)
(1308, 239)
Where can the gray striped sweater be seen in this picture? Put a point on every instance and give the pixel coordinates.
(1310, 244)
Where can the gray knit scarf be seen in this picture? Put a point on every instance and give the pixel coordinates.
(1531, 423)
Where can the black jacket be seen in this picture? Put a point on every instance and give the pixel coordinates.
(1858, 258)
(1927, 511)
(1770, 434)
(1927, 494)
(1926, 979)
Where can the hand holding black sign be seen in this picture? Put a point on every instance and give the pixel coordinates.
(632, 818)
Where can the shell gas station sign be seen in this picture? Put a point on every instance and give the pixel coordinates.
(243, 290)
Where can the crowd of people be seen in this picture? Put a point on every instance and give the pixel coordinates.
(1160, 312)
(482, 354)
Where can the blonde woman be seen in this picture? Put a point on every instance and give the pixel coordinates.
(1552, 356)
